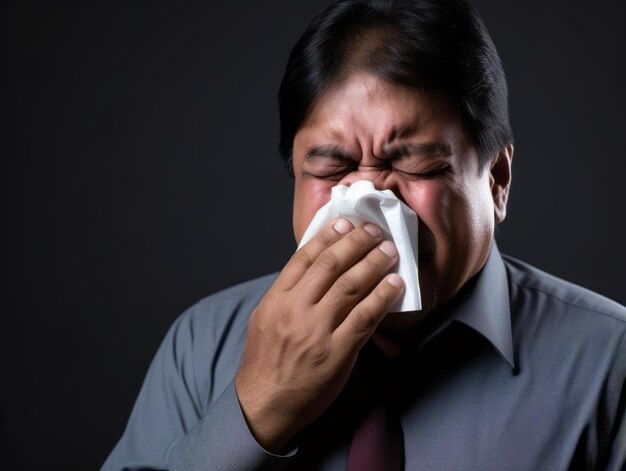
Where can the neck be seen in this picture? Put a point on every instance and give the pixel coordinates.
(405, 332)
(400, 336)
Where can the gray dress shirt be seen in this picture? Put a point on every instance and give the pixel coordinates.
(528, 373)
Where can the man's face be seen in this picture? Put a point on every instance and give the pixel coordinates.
(364, 128)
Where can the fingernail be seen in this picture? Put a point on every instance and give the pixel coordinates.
(395, 280)
(372, 229)
(342, 226)
(389, 249)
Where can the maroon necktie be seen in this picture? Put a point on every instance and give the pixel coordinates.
(377, 444)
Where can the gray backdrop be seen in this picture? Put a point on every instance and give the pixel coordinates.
(141, 173)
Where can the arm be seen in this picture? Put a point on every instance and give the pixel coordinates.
(162, 409)
(616, 405)
(303, 340)
(187, 407)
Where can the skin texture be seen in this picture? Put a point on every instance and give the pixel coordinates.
(329, 300)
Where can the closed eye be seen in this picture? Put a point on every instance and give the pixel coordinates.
(329, 167)
(425, 174)
(435, 150)
(413, 161)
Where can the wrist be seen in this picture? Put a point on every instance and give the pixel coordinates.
(267, 423)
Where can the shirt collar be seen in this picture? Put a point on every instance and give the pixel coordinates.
(486, 307)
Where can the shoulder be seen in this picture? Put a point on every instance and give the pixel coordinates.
(205, 343)
(558, 323)
(545, 290)
(570, 347)
(229, 308)
(559, 319)
(236, 296)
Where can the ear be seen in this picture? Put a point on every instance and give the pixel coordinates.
(500, 181)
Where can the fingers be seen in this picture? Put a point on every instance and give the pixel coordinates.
(353, 285)
(299, 354)
(334, 261)
(306, 256)
(363, 320)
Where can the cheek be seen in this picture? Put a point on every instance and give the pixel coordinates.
(456, 218)
(432, 201)
(309, 196)
(470, 219)
(482, 213)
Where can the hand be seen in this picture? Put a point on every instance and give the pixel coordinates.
(305, 334)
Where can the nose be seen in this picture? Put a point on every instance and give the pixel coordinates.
(381, 176)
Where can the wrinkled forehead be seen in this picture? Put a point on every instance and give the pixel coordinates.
(363, 97)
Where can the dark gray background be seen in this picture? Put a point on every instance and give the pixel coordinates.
(141, 174)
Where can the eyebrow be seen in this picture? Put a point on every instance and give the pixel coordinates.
(435, 149)
(331, 150)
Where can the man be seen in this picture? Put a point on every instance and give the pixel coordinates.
(505, 367)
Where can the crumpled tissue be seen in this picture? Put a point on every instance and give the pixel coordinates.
(361, 202)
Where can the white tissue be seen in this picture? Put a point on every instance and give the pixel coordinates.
(361, 202)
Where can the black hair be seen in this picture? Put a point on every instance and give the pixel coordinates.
(439, 46)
